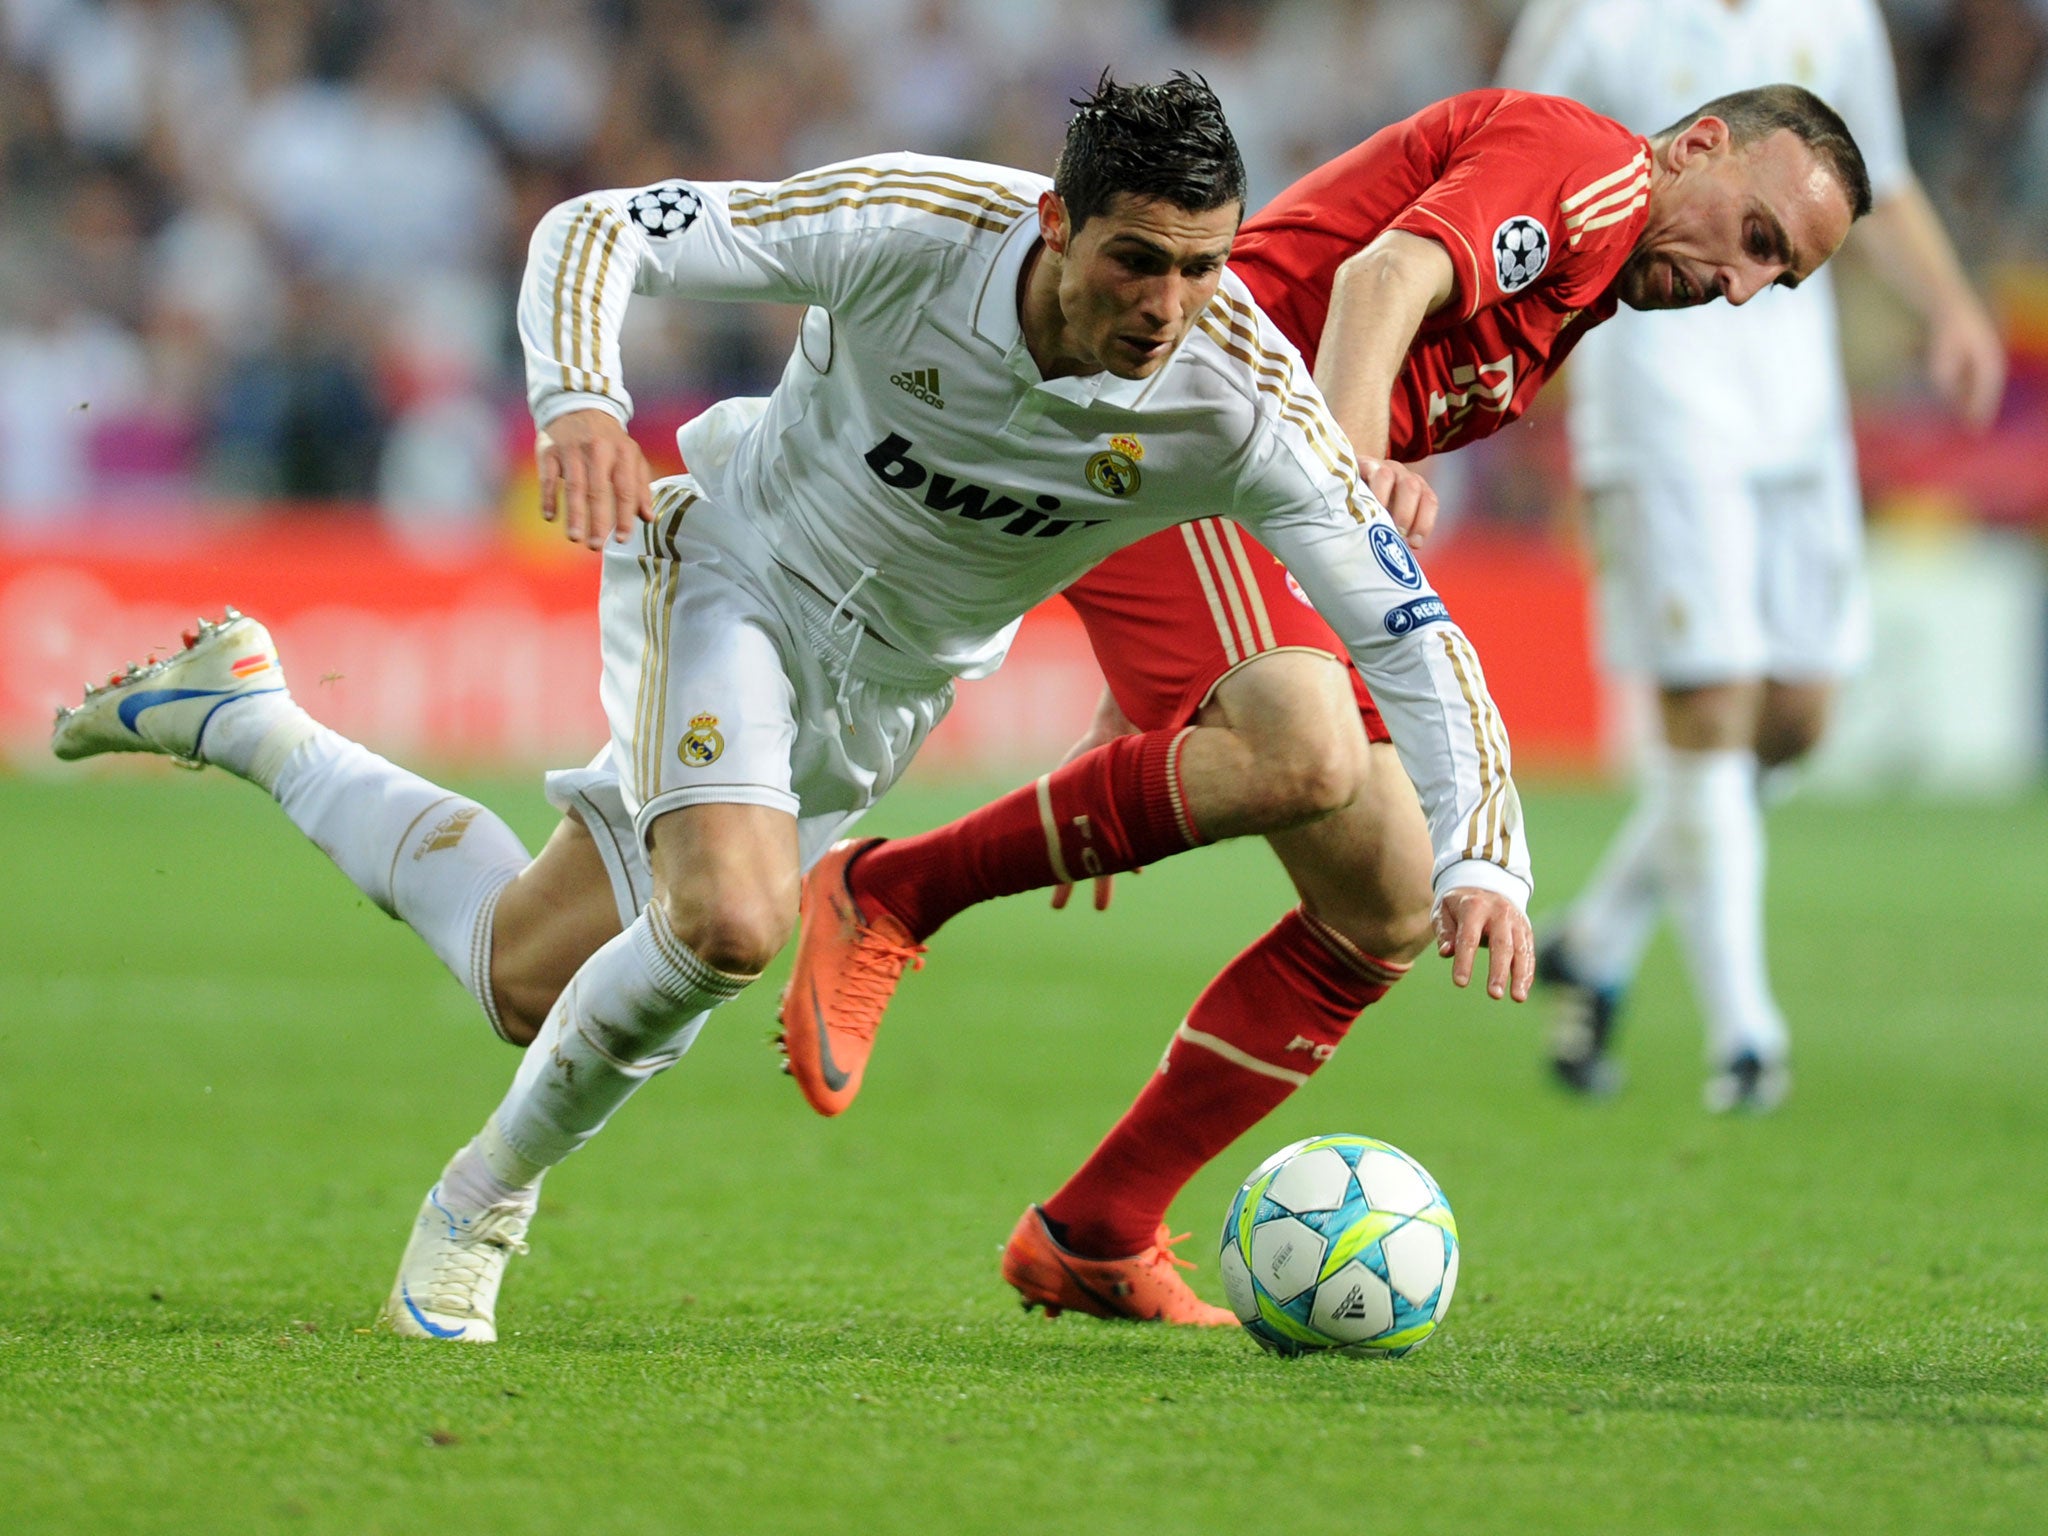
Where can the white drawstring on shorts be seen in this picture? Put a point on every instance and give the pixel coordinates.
(859, 633)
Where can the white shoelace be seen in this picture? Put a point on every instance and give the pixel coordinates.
(475, 1259)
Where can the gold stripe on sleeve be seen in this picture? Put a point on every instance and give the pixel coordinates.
(1481, 746)
(577, 322)
(1503, 835)
(975, 220)
(862, 184)
(808, 195)
(1269, 375)
(561, 281)
(613, 229)
(843, 175)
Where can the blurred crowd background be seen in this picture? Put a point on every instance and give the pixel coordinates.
(262, 251)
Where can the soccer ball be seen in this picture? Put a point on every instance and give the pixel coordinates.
(1340, 1242)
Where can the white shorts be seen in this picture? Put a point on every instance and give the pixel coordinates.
(729, 681)
(1709, 576)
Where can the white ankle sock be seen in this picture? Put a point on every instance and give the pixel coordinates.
(1713, 869)
(630, 1012)
(254, 735)
(487, 1172)
(436, 860)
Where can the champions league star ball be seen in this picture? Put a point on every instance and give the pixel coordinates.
(1521, 250)
(665, 211)
(1340, 1242)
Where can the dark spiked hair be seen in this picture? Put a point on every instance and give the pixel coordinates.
(1765, 109)
(1166, 141)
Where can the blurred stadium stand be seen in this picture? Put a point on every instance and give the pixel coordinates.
(257, 259)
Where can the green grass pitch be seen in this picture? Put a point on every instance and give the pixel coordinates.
(225, 1082)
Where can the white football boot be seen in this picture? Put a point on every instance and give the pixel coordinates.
(447, 1285)
(164, 706)
(1748, 1083)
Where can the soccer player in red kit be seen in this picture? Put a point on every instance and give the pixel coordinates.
(1433, 277)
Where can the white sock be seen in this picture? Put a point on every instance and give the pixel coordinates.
(436, 860)
(1611, 919)
(253, 736)
(1774, 786)
(472, 1180)
(1713, 870)
(630, 1012)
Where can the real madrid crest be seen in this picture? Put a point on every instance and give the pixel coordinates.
(1114, 472)
(701, 743)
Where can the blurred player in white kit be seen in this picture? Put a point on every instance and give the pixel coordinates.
(1715, 451)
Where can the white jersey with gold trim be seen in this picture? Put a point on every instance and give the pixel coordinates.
(915, 468)
(1758, 388)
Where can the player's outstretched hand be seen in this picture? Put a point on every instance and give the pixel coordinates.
(1409, 499)
(1469, 919)
(593, 477)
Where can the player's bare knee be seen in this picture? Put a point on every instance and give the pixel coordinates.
(738, 933)
(1781, 744)
(726, 882)
(1401, 933)
(1316, 773)
(1387, 921)
(1794, 719)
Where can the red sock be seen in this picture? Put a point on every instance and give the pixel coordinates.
(1109, 810)
(1255, 1035)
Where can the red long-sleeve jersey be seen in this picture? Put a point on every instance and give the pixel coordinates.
(1539, 202)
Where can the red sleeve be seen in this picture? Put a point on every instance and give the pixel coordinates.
(1535, 191)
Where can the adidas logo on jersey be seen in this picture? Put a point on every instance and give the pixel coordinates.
(891, 461)
(921, 382)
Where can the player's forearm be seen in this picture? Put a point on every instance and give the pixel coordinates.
(1454, 747)
(1380, 297)
(1904, 243)
(1965, 358)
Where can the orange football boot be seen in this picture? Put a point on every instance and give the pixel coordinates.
(1145, 1288)
(846, 970)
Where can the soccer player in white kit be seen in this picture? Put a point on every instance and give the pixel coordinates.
(1715, 450)
(999, 380)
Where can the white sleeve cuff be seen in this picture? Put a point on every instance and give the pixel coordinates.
(1487, 877)
(576, 400)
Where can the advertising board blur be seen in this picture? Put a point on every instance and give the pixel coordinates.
(484, 655)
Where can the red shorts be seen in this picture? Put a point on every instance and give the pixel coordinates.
(1174, 614)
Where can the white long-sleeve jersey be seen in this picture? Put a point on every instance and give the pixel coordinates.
(1758, 388)
(914, 461)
